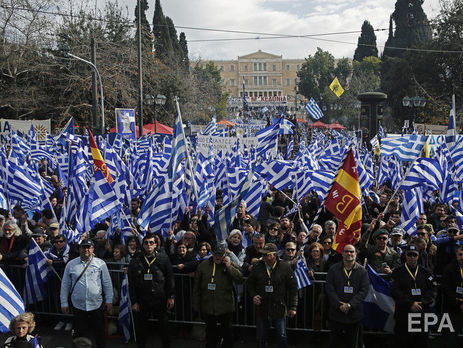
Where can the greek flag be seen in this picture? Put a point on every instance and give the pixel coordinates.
(378, 306)
(278, 173)
(103, 199)
(451, 137)
(211, 127)
(410, 212)
(179, 149)
(3, 201)
(11, 304)
(313, 109)
(374, 141)
(37, 273)
(293, 210)
(406, 148)
(267, 138)
(301, 274)
(426, 173)
(289, 149)
(123, 319)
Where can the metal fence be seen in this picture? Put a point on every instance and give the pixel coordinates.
(311, 311)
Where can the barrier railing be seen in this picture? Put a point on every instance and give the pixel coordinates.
(311, 311)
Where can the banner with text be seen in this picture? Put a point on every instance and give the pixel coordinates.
(223, 143)
(41, 127)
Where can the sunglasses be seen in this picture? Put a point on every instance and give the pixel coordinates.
(411, 254)
(327, 242)
(149, 242)
(421, 234)
(381, 238)
(85, 246)
(290, 249)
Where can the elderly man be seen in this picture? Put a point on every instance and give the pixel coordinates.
(86, 281)
(347, 285)
(447, 245)
(273, 290)
(253, 252)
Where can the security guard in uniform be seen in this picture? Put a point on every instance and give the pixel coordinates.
(413, 290)
(152, 289)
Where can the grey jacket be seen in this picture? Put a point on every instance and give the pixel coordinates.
(336, 281)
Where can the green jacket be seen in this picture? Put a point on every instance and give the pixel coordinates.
(284, 296)
(376, 257)
(221, 300)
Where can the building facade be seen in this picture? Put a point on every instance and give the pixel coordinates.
(269, 80)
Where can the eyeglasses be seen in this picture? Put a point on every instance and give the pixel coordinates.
(328, 242)
(149, 242)
(85, 246)
(290, 249)
(381, 238)
(59, 241)
(421, 234)
(411, 254)
(274, 229)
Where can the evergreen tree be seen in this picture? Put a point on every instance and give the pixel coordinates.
(185, 61)
(145, 26)
(366, 46)
(173, 37)
(162, 42)
(412, 28)
(390, 39)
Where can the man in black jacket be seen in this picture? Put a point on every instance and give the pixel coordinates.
(347, 285)
(151, 288)
(412, 289)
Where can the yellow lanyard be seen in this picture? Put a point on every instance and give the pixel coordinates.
(348, 274)
(150, 263)
(461, 275)
(411, 275)
(213, 272)
(269, 273)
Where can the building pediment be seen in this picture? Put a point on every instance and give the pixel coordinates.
(260, 55)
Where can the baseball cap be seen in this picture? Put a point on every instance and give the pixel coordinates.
(453, 227)
(380, 232)
(397, 231)
(218, 250)
(54, 225)
(412, 249)
(37, 232)
(87, 242)
(269, 248)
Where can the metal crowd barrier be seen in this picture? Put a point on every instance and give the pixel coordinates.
(311, 311)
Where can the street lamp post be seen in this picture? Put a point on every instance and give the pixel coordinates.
(159, 100)
(149, 100)
(101, 87)
(414, 103)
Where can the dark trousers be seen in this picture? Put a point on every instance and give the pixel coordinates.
(406, 339)
(159, 311)
(213, 334)
(343, 335)
(92, 321)
(263, 327)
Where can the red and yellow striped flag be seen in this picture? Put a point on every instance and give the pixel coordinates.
(98, 159)
(344, 201)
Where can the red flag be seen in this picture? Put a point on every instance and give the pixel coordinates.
(98, 159)
(344, 202)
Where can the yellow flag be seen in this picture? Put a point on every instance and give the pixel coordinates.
(336, 87)
(426, 149)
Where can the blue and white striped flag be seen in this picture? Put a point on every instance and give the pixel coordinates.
(102, 199)
(11, 304)
(406, 148)
(179, 147)
(410, 212)
(301, 274)
(278, 173)
(425, 173)
(211, 127)
(245, 101)
(267, 138)
(451, 136)
(313, 109)
(289, 149)
(37, 273)
(4, 201)
(123, 319)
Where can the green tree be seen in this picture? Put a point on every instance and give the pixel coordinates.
(366, 46)
(162, 43)
(185, 61)
(145, 26)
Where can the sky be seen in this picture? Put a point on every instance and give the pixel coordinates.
(283, 17)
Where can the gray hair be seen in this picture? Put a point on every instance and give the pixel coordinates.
(11, 223)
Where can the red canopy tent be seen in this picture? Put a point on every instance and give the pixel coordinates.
(147, 128)
(318, 124)
(226, 123)
(336, 125)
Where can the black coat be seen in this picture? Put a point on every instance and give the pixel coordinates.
(451, 279)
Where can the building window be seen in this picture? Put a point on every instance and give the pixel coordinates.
(255, 80)
(265, 80)
(221, 68)
(246, 67)
(298, 67)
(246, 82)
(260, 66)
(287, 67)
(232, 82)
(255, 66)
(287, 82)
(274, 67)
(232, 68)
(265, 66)
(260, 80)
(274, 82)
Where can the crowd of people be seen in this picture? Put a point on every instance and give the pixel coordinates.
(262, 253)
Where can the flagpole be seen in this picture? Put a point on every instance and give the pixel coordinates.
(52, 268)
